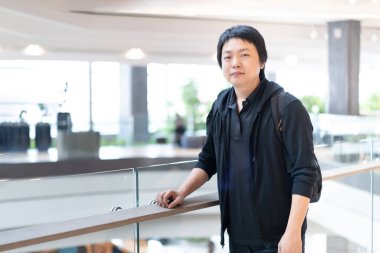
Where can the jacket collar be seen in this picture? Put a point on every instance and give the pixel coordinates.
(265, 91)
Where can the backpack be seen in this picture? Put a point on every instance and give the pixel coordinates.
(277, 107)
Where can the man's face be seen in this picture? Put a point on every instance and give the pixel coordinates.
(240, 63)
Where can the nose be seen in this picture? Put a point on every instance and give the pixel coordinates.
(235, 62)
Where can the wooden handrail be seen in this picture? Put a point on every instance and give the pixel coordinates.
(22, 237)
(350, 170)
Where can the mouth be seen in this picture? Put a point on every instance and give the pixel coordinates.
(237, 74)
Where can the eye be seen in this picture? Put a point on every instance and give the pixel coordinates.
(226, 57)
(245, 55)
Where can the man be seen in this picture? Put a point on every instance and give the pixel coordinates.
(263, 204)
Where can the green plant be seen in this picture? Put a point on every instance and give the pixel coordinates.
(190, 96)
(372, 105)
(374, 102)
(313, 104)
(193, 106)
(112, 141)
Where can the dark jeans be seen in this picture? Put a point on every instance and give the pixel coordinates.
(269, 248)
(238, 248)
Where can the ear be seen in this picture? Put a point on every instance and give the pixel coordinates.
(262, 66)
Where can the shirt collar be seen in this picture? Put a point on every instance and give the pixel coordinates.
(252, 97)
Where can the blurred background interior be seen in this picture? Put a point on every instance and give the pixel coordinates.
(97, 86)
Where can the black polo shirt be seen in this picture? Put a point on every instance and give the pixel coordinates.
(242, 225)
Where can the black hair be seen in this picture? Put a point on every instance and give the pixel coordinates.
(246, 33)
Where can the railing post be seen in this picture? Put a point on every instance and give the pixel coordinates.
(372, 195)
(137, 244)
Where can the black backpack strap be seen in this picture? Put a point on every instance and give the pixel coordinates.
(277, 106)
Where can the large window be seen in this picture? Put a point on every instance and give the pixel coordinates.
(36, 91)
(106, 97)
(166, 85)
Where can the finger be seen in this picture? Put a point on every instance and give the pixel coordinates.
(168, 197)
(160, 199)
(174, 203)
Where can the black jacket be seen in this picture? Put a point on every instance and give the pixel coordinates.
(273, 184)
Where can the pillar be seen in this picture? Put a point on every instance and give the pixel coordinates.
(344, 60)
(139, 99)
(133, 104)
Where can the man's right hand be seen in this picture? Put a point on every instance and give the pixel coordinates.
(172, 198)
(169, 199)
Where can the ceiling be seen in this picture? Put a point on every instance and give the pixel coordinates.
(184, 31)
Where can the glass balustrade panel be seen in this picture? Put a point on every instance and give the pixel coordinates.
(195, 231)
(35, 201)
(376, 197)
(376, 212)
(157, 178)
(117, 240)
(342, 219)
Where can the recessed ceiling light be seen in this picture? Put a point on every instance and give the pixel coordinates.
(374, 37)
(352, 2)
(34, 50)
(337, 33)
(135, 54)
(314, 33)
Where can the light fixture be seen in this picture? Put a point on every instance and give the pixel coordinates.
(374, 1)
(34, 50)
(352, 2)
(374, 37)
(314, 33)
(135, 54)
(337, 33)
